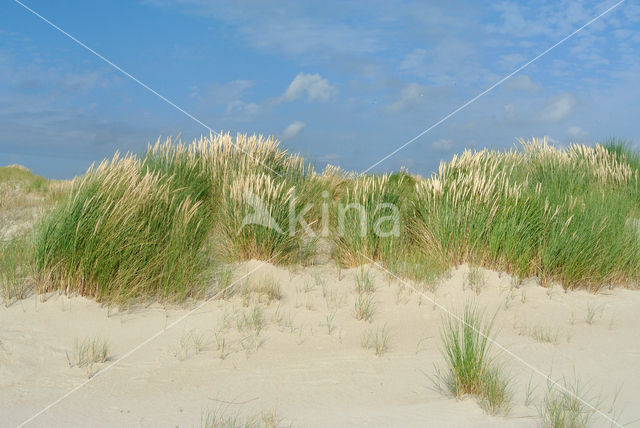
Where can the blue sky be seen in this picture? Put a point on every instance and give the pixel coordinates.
(340, 82)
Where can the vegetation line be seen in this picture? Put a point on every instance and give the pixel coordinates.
(156, 226)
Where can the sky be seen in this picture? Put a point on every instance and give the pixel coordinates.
(341, 82)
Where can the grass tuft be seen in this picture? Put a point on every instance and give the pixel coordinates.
(365, 307)
(87, 352)
(470, 367)
(269, 290)
(540, 333)
(14, 269)
(124, 232)
(475, 279)
(364, 281)
(368, 220)
(147, 227)
(221, 418)
(376, 339)
(496, 392)
(562, 408)
(593, 312)
(559, 214)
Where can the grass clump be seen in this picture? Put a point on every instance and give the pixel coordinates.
(251, 320)
(560, 214)
(14, 269)
(224, 286)
(496, 392)
(265, 209)
(475, 279)
(256, 215)
(124, 232)
(368, 220)
(191, 341)
(268, 290)
(470, 367)
(593, 312)
(150, 226)
(540, 333)
(222, 418)
(564, 408)
(622, 151)
(365, 307)
(250, 324)
(87, 352)
(544, 334)
(364, 281)
(377, 339)
(147, 227)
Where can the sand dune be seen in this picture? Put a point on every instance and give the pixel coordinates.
(306, 360)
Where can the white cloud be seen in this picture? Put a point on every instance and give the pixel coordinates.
(230, 95)
(411, 95)
(292, 130)
(442, 145)
(553, 141)
(315, 86)
(242, 109)
(522, 20)
(577, 133)
(524, 83)
(289, 27)
(558, 107)
(450, 60)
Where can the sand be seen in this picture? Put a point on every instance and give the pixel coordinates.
(308, 364)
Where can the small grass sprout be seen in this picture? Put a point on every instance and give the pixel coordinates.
(364, 281)
(87, 352)
(475, 279)
(268, 290)
(564, 408)
(376, 339)
(220, 417)
(593, 312)
(365, 307)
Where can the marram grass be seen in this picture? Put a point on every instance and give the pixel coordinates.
(148, 226)
(152, 225)
(471, 369)
(368, 220)
(557, 214)
(124, 232)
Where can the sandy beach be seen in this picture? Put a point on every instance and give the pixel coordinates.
(319, 214)
(307, 362)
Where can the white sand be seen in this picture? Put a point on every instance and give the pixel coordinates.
(310, 377)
